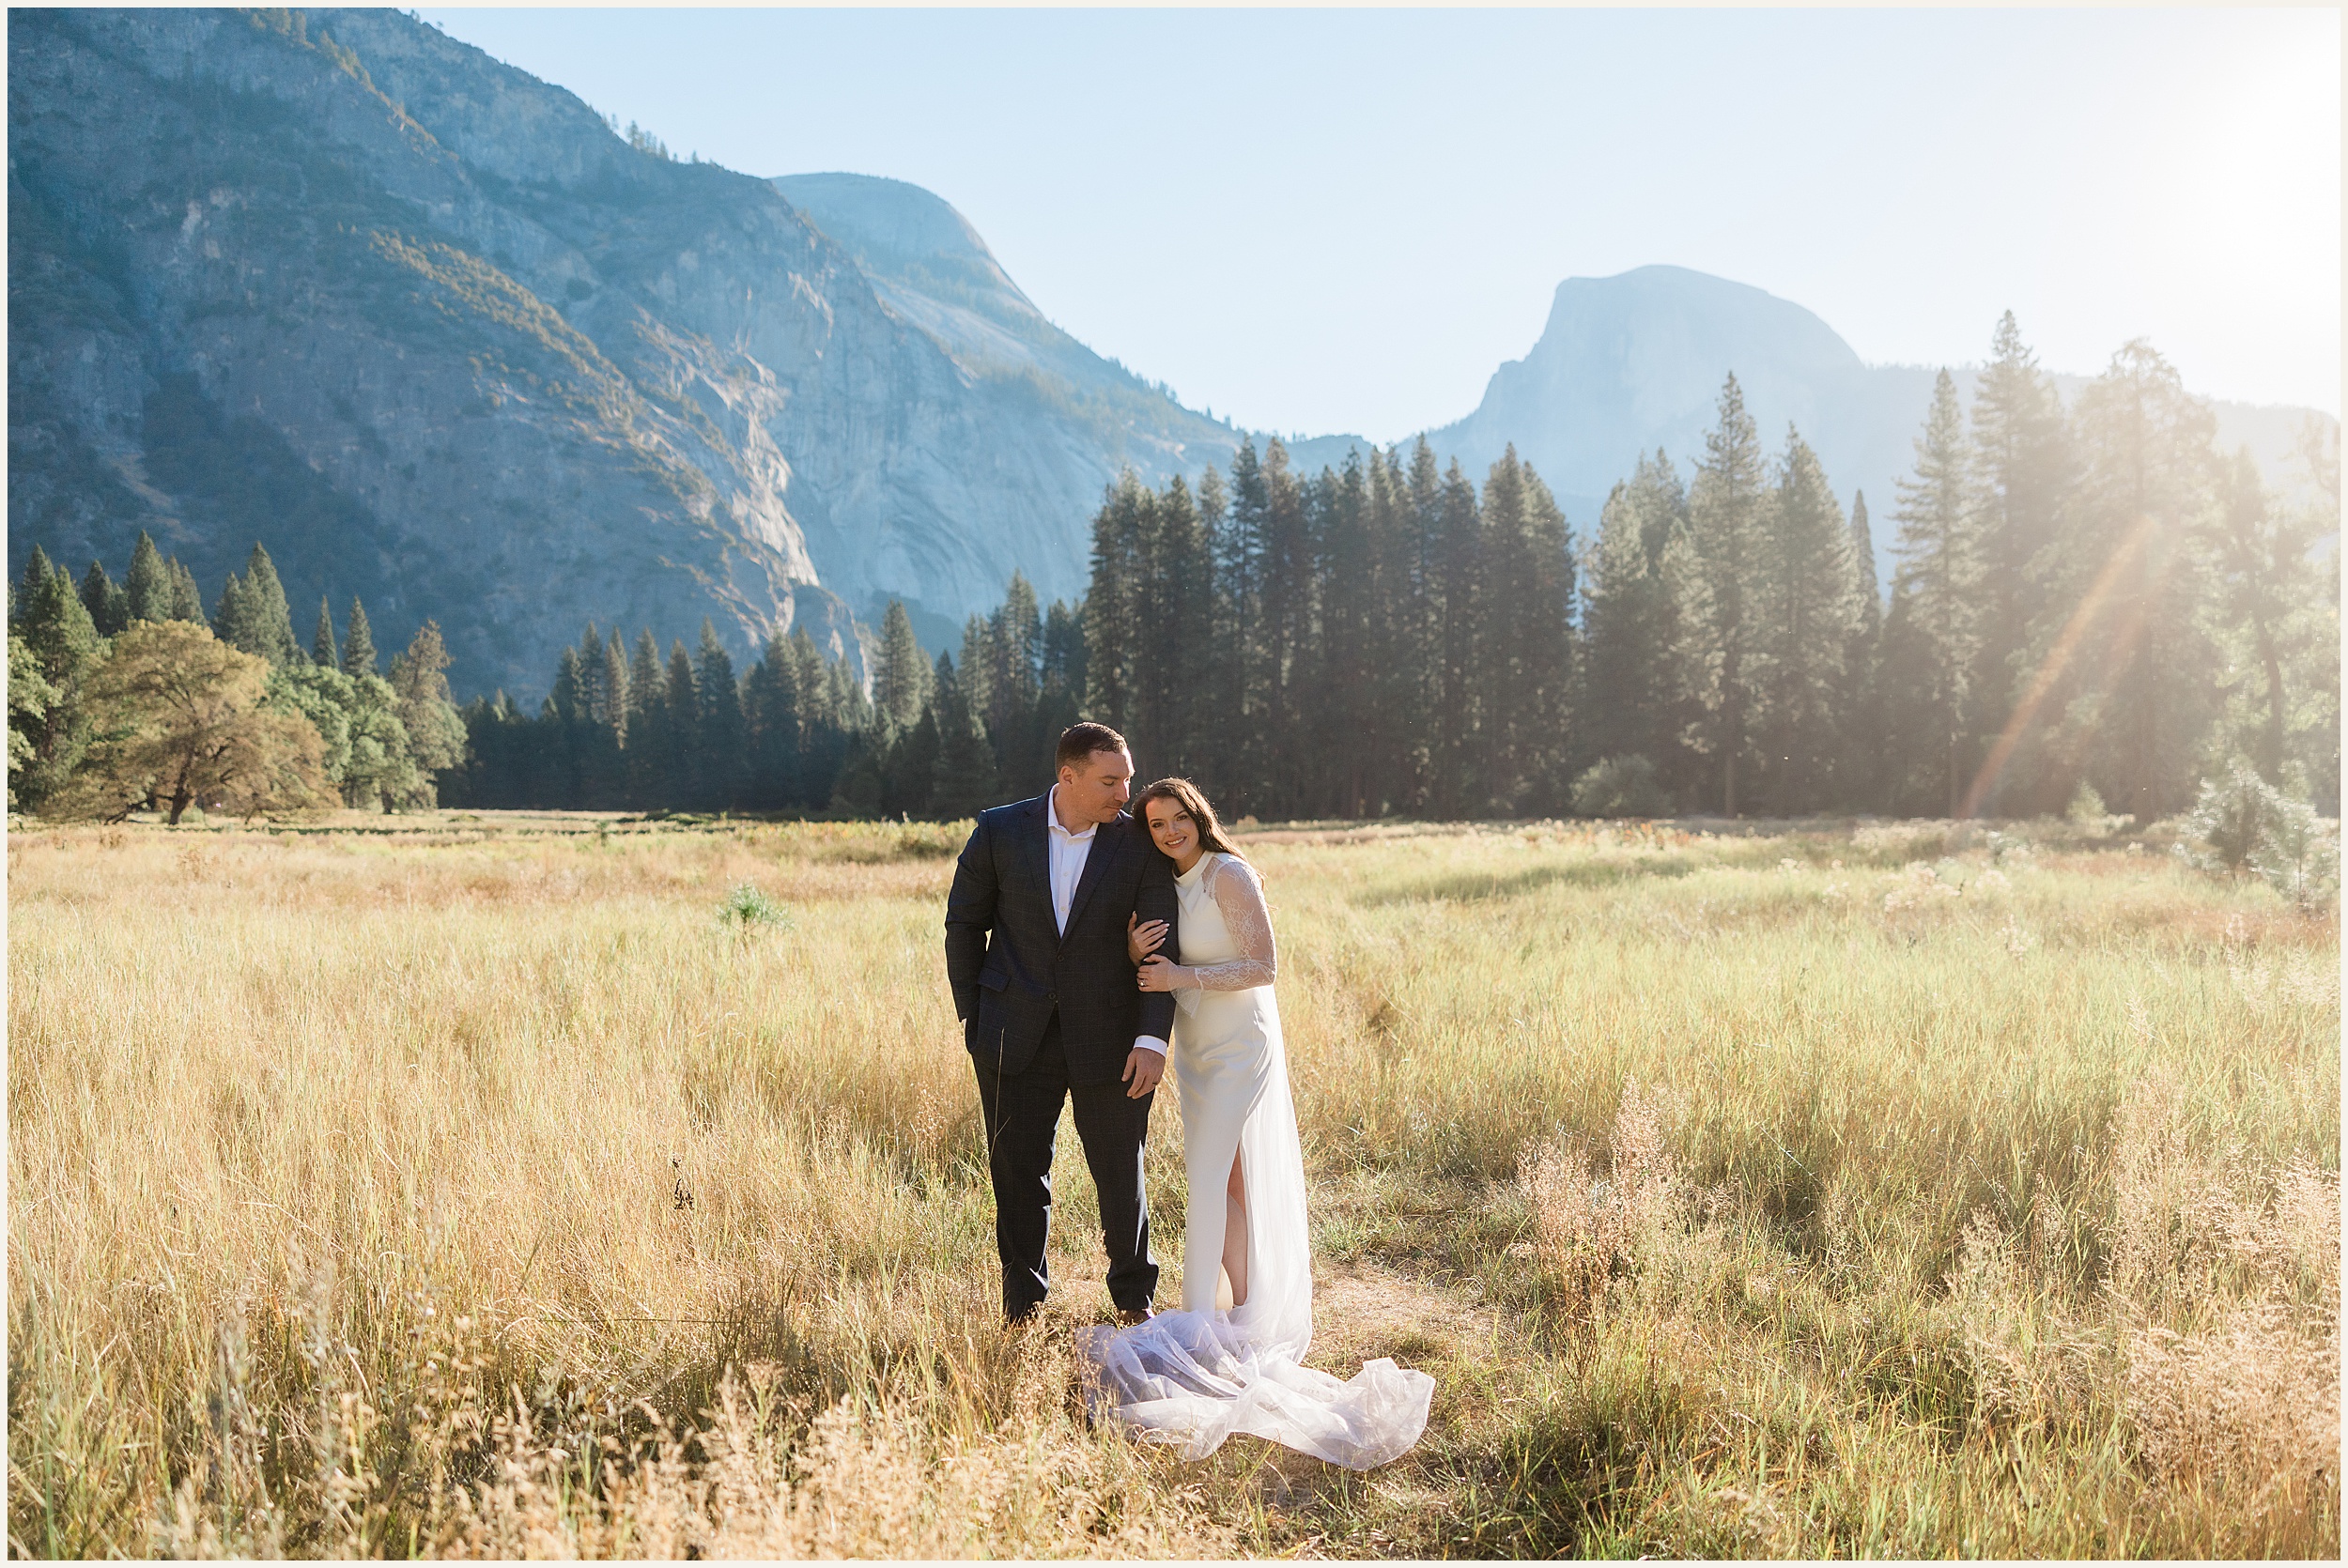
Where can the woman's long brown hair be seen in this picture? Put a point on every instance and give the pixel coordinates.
(1182, 793)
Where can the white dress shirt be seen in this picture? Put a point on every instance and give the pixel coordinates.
(1069, 852)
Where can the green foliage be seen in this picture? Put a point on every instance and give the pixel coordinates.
(181, 719)
(149, 587)
(2241, 823)
(1619, 787)
(253, 616)
(358, 656)
(30, 698)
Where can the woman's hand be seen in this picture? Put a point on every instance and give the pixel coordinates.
(1158, 975)
(1141, 940)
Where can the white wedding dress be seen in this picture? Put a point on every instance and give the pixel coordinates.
(1191, 1378)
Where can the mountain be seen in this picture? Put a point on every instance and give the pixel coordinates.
(1634, 361)
(933, 271)
(438, 335)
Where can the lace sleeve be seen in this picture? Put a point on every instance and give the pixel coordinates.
(1240, 897)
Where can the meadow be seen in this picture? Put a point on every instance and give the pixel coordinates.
(534, 1185)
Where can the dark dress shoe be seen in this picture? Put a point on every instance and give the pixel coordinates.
(1131, 1316)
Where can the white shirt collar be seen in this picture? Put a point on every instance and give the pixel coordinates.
(1051, 817)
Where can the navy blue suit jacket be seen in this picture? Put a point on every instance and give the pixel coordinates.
(1012, 969)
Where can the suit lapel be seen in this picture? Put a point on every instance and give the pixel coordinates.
(1107, 841)
(1039, 846)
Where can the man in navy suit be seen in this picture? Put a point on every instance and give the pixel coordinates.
(1035, 952)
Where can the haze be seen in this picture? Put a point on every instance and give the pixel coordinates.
(1338, 220)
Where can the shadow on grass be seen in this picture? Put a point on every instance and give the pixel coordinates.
(1476, 886)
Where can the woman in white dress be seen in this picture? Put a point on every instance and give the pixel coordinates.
(1232, 1358)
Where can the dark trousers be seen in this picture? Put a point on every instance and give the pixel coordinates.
(1022, 1111)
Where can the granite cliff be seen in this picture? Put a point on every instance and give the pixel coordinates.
(438, 335)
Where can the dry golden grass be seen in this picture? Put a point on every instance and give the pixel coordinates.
(469, 1188)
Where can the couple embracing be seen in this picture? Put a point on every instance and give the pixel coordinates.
(1091, 951)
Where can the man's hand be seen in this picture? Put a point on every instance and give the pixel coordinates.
(1143, 1069)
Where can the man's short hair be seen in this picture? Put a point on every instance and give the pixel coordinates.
(1078, 742)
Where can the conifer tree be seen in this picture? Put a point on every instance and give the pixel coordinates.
(1114, 609)
(1283, 650)
(1628, 623)
(683, 786)
(322, 650)
(1346, 644)
(771, 711)
(187, 600)
(651, 744)
(65, 647)
(2021, 477)
(435, 734)
(1241, 681)
(1805, 613)
(148, 585)
(1861, 770)
(615, 693)
(900, 678)
(357, 642)
(1935, 595)
(1725, 508)
(961, 778)
(265, 621)
(109, 607)
(723, 738)
(1015, 650)
(2135, 695)
(1459, 786)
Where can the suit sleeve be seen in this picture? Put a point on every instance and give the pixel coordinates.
(1155, 902)
(970, 918)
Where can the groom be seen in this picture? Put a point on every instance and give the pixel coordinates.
(1035, 952)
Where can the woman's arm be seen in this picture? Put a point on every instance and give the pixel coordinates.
(1239, 896)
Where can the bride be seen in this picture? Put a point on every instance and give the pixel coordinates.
(1232, 1358)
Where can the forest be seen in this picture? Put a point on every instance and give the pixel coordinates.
(2090, 608)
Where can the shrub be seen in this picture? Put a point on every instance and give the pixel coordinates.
(747, 907)
(1619, 786)
(2240, 823)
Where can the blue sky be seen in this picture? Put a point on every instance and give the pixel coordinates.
(1329, 219)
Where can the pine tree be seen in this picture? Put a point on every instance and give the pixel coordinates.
(1726, 509)
(357, 642)
(322, 650)
(435, 733)
(1861, 768)
(1283, 652)
(901, 679)
(961, 778)
(58, 635)
(1805, 613)
(2131, 690)
(267, 619)
(187, 600)
(651, 744)
(1114, 608)
(2021, 475)
(1628, 622)
(1458, 782)
(724, 748)
(148, 586)
(1015, 691)
(109, 607)
(615, 687)
(1345, 644)
(772, 711)
(1243, 679)
(1935, 594)
(683, 785)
